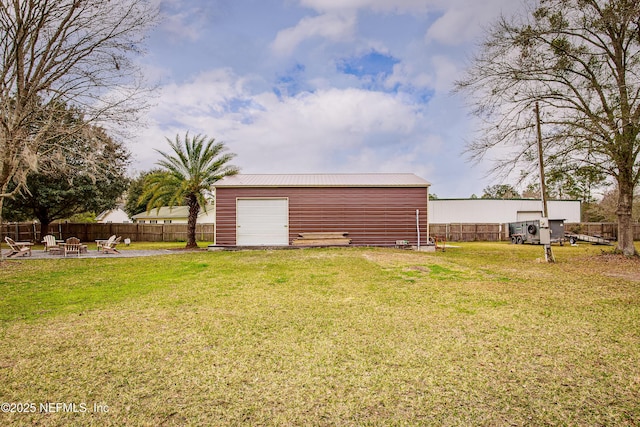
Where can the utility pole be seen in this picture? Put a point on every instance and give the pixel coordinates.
(545, 232)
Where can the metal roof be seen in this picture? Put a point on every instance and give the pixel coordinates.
(164, 212)
(324, 180)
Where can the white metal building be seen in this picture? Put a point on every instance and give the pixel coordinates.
(492, 211)
(117, 215)
(173, 215)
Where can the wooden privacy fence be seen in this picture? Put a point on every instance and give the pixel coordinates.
(90, 232)
(500, 232)
(468, 232)
(607, 230)
(26, 231)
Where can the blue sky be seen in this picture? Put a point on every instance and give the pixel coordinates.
(320, 86)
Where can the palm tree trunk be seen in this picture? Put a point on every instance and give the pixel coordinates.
(194, 209)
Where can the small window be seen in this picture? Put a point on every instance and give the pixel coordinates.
(167, 221)
(153, 221)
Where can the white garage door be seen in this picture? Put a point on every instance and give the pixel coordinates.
(262, 222)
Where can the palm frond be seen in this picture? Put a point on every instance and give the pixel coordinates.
(190, 169)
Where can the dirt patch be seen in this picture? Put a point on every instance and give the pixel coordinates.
(632, 277)
(4, 265)
(616, 266)
(393, 259)
(419, 268)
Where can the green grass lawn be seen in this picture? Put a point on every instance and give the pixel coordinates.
(482, 334)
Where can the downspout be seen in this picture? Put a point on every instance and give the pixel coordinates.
(418, 226)
(215, 216)
(428, 215)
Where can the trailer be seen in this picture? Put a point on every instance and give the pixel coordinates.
(529, 231)
(574, 238)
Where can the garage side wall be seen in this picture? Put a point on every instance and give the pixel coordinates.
(371, 216)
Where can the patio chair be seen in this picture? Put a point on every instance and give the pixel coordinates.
(110, 248)
(72, 246)
(102, 243)
(50, 244)
(16, 249)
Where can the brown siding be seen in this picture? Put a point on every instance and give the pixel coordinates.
(371, 216)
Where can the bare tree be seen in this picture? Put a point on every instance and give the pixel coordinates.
(59, 53)
(580, 59)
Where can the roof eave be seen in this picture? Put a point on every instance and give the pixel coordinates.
(427, 185)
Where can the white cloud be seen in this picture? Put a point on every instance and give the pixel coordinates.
(454, 27)
(415, 156)
(464, 21)
(438, 75)
(327, 130)
(322, 120)
(445, 71)
(318, 131)
(186, 20)
(397, 6)
(179, 27)
(335, 27)
(408, 75)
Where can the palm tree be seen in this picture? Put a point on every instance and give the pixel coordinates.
(187, 176)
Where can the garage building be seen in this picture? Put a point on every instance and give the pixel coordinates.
(492, 211)
(274, 210)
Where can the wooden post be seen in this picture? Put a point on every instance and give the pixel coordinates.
(543, 186)
(548, 254)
